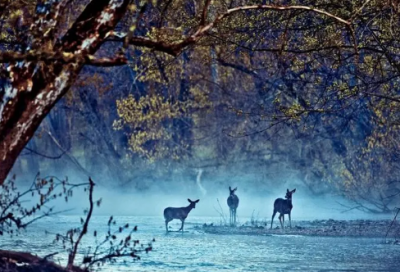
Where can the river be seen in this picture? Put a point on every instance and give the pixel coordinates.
(195, 250)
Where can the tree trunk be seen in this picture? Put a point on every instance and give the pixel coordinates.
(32, 88)
(14, 261)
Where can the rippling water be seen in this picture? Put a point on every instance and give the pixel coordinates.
(197, 251)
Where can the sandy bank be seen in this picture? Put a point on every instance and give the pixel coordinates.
(339, 228)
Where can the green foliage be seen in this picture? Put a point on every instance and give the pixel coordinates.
(151, 118)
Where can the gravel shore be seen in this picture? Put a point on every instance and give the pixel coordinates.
(339, 228)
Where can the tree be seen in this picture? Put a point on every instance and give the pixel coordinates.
(43, 52)
(36, 78)
(46, 54)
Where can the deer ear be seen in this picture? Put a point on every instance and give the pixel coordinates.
(190, 200)
(197, 201)
(294, 190)
(287, 190)
(235, 189)
(230, 188)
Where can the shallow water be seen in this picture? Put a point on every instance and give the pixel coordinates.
(195, 250)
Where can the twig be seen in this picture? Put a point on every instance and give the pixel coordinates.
(46, 214)
(72, 255)
(221, 212)
(50, 255)
(359, 10)
(45, 156)
(205, 12)
(72, 158)
(360, 207)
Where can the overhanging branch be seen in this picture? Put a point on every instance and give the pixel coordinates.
(64, 57)
(171, 48)
(175, 48)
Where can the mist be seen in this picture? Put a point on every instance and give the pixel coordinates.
(256, 203)
(212, 204)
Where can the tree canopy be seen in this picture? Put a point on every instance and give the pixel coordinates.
(315, 70)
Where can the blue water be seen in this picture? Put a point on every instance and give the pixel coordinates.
(195, 250)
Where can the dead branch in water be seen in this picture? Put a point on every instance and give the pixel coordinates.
(221, 212)
(391, 224)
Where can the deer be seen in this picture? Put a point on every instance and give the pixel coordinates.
(283, 206)
(171, 213)
(233, 203)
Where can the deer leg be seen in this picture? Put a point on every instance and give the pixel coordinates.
(283, 221)
(272, 220)
(280, 220)
(181, 229)
(290, 221)
(166, 225)
(234, 218)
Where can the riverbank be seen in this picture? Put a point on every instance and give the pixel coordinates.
(339, 228)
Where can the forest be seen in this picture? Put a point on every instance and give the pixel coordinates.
(144, 94)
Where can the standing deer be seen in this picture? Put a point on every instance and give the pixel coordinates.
(178, 213)
(283, 206)
(233, 203)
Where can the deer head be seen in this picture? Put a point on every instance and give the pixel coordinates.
(193, 203)
(289, 194)
(232, 192)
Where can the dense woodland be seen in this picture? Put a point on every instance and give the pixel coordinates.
(266, 90)
(147, 92)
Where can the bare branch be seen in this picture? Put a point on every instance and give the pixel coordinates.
(43, 155)
(360, 9)
(172, 48)
(64, 57)
(71, 157)
(72, 255)
(387, 97)
(134, 27)
(175, 48)
(163, 12)
(205, 12)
